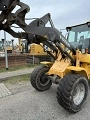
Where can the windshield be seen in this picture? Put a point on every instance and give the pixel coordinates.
(79, 33)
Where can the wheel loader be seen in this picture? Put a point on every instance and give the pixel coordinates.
(34, 52)
(70, 68)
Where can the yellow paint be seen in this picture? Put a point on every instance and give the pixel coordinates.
(63, 66)
(46, 63)
(84, 57)
(74, 68)
(59, 67)
(36, 49)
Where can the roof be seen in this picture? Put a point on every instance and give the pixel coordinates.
(77, 25)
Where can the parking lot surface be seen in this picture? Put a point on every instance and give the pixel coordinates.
(33, 105)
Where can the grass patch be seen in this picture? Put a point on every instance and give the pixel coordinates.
(17, 68)
(17, 79)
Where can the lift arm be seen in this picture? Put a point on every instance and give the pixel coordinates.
(36, 31)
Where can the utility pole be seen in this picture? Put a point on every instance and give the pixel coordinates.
(6, 57)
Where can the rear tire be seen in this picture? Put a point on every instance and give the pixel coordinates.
(39, 78)
(72, 92)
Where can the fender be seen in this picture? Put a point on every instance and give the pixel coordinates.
(80, 70)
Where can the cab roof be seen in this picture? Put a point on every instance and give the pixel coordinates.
(69, 27)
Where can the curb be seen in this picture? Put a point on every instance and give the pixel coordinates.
(6, 78)
(8, 75)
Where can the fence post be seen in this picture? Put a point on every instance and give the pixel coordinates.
(33, 59)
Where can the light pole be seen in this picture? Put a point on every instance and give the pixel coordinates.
(6, 57)
(12, 45)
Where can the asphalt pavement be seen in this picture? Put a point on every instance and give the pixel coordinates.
(34, 105)
(26, 103)
(4, 91)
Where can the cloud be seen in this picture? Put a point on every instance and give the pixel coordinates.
(64, 13)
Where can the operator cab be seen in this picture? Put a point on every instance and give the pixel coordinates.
(79, 36)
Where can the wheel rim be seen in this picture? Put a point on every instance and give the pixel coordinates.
(79, 94)
(44, 80)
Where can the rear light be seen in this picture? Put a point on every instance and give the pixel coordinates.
(84, 50)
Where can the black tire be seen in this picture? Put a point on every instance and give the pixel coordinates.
(69, 92)
(39, 79)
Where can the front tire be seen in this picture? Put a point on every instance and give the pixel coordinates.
(72, 92)
(39, 78)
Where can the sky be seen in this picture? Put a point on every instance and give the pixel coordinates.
(63, 12)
